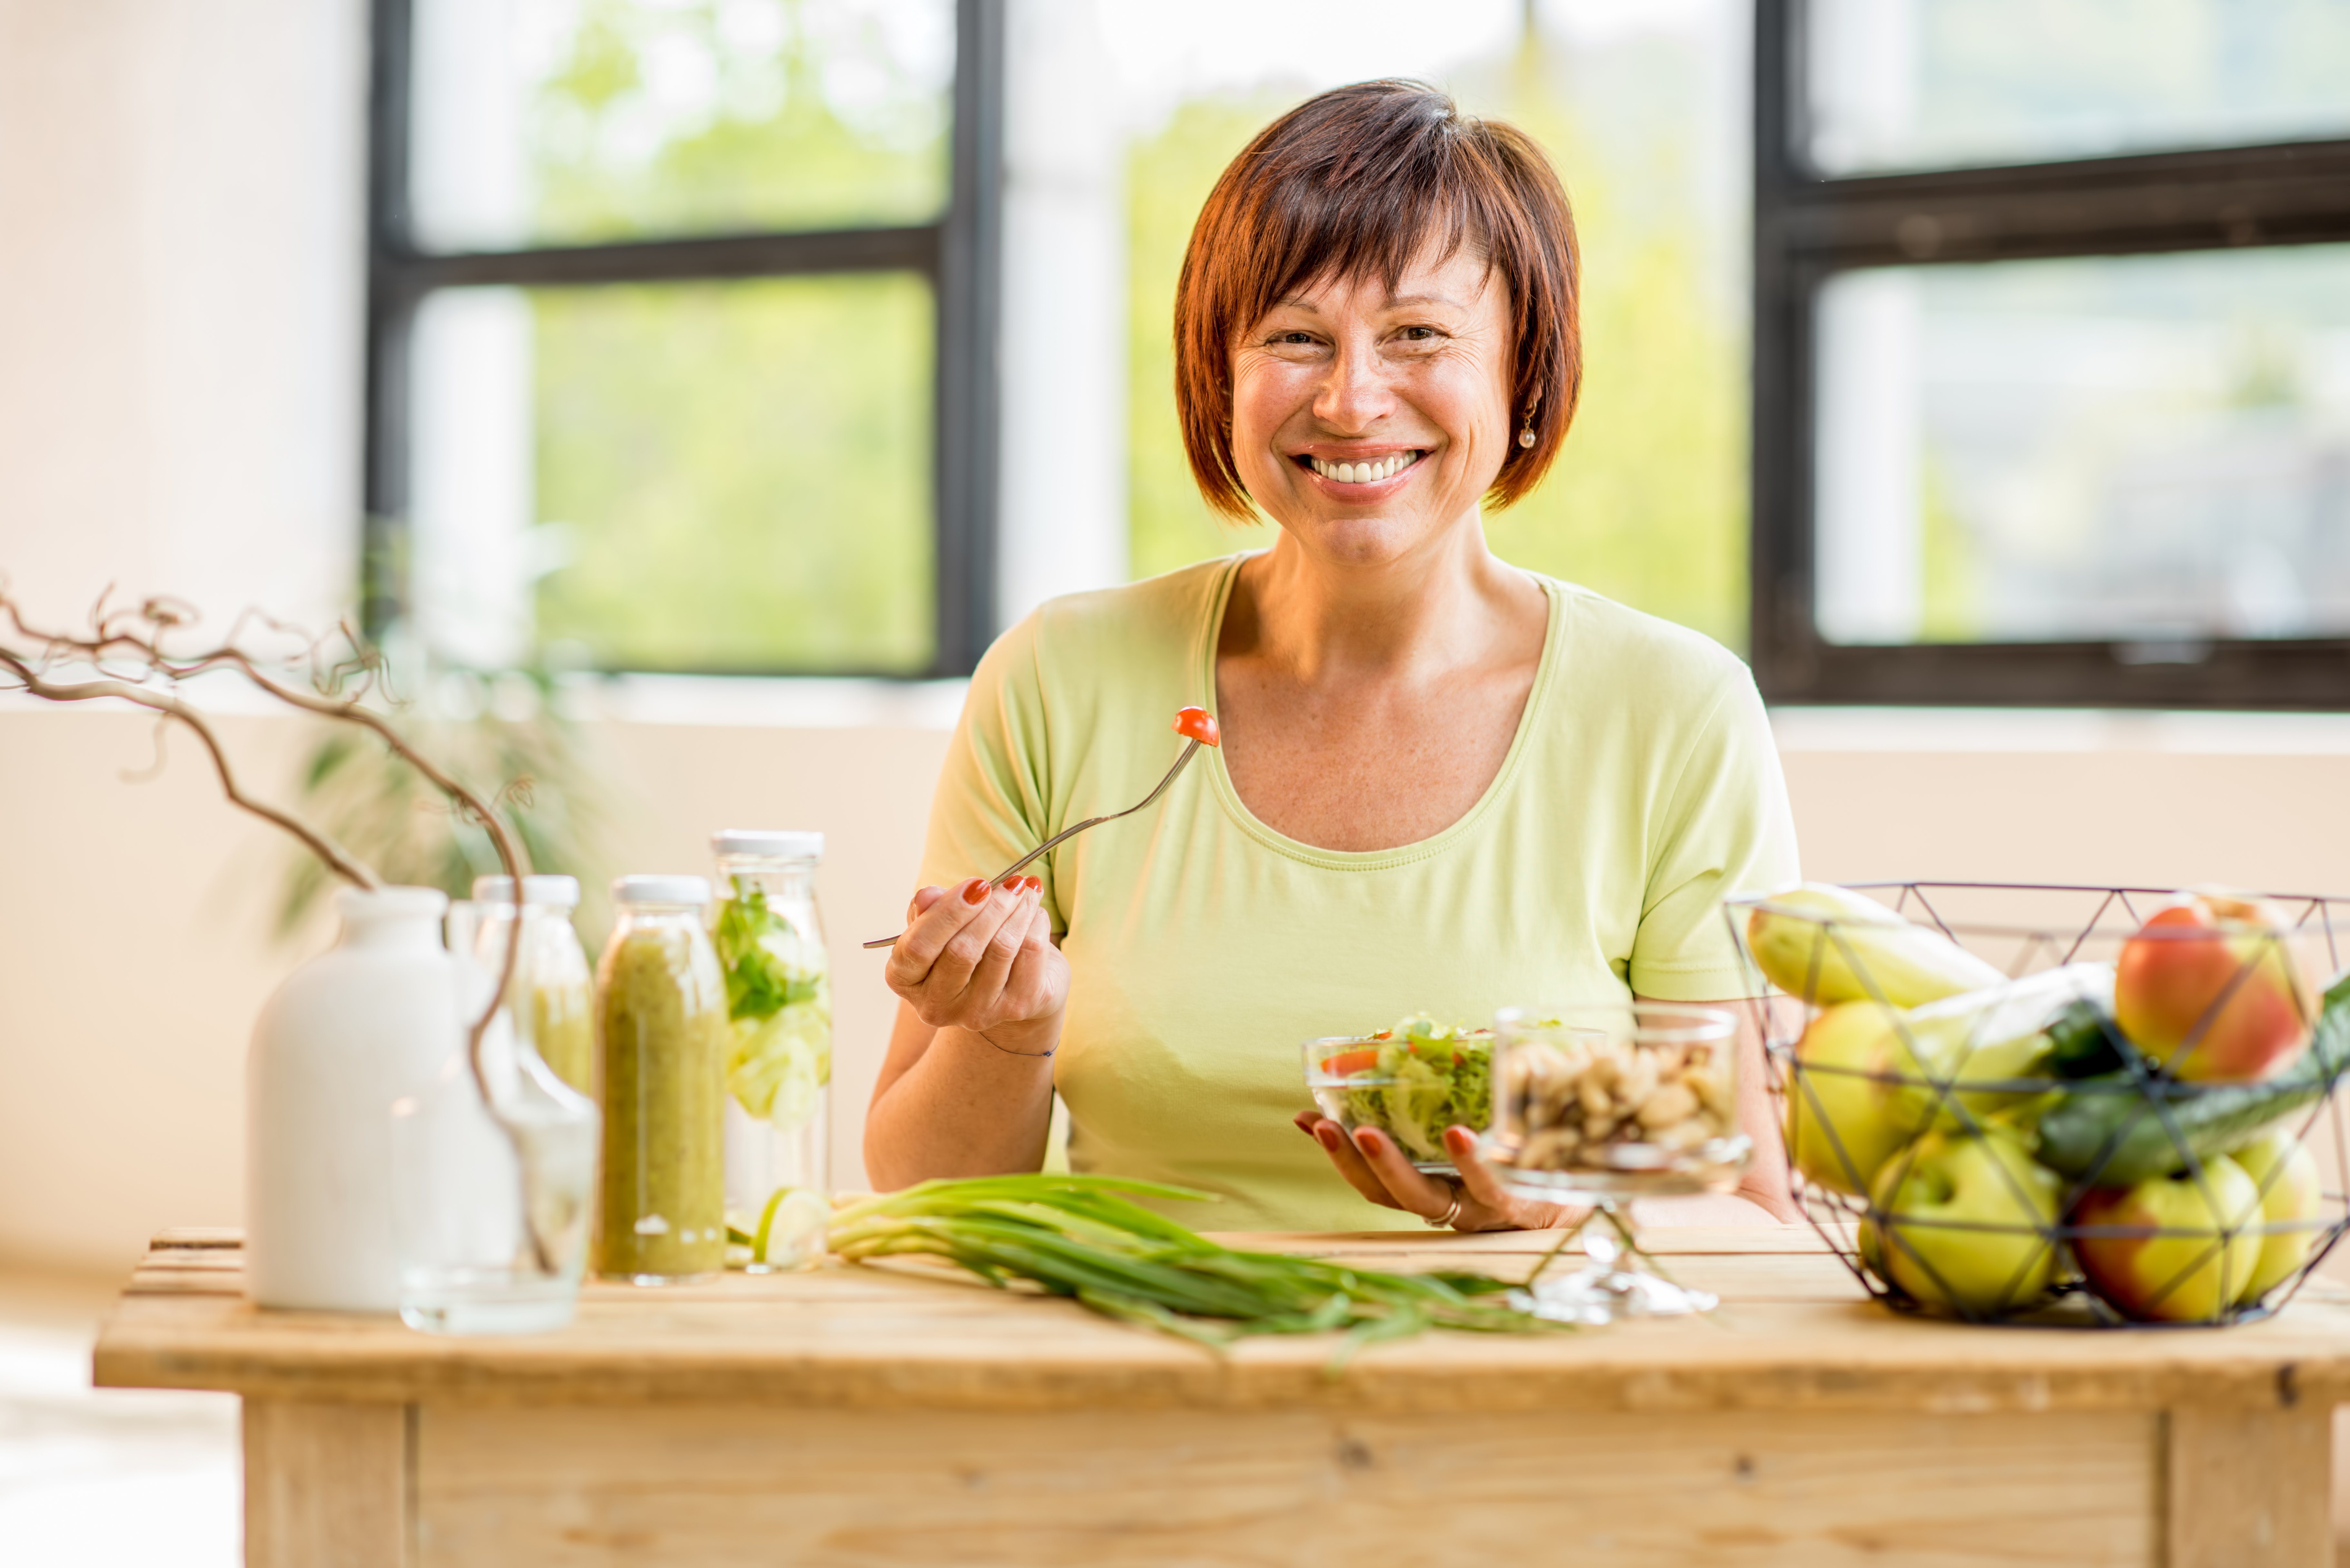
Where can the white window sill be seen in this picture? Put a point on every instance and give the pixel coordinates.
(771, 701)
(1827, 728)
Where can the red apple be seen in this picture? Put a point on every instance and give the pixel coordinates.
(2210, 988)
(2200, 1246)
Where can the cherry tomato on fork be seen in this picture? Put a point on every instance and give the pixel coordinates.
(1197, 723)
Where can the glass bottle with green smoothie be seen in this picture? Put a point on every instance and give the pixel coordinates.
(779, 1052)
(550, 972)
(661, 1043)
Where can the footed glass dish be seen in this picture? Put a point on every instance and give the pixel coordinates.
(1602, 1104)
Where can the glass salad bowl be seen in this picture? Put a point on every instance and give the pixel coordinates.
(1411, 1082)
(1606, 1103)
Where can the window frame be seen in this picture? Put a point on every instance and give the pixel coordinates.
(961, 253)
(1807, 228)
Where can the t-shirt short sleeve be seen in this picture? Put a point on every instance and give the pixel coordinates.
(993, 800)
(1725, 828)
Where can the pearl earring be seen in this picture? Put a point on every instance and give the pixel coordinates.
(1526, 436)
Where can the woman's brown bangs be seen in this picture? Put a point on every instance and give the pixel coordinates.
(1314, 236)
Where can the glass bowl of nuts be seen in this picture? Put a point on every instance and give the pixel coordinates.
(1605, 1103)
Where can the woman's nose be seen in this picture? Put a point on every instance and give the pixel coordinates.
(1355, 394)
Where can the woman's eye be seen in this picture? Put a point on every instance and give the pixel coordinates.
(1419, 334)
(1298, 337)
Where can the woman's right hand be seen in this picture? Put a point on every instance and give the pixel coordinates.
(982, 959)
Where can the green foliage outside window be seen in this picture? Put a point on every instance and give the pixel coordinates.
(744, 470)
(766, 136)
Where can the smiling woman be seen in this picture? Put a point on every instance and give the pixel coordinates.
(1446, 785)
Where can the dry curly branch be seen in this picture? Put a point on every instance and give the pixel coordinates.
(32, 679)
(126, 647)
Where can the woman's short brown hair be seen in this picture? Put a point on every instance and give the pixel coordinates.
(1358, 182)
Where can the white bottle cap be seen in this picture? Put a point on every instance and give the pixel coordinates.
(766, 844)
(561, 891)
(661, 890)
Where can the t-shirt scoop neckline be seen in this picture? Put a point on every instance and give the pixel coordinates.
(1210, 631)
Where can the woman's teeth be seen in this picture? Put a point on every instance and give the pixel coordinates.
(1370, 471)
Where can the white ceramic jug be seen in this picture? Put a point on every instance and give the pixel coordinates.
(348, 1033)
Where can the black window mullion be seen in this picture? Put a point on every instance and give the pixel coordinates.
(914, 248)
(1780, 636)
(2145, 203)
(968, 389)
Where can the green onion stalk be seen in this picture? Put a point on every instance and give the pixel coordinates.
(1085, 1237)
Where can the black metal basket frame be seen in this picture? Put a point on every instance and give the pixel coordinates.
(1838, 1216)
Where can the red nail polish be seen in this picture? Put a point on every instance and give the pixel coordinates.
(1327, 1137)
(1035, 884)
(976, 893)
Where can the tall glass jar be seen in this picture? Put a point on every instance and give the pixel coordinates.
(779, 1059)
(661, 1038)
(495, 1196)
(551, 970)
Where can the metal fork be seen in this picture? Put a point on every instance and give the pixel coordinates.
(1068, 832)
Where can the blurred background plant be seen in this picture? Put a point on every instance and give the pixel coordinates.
(504, 732)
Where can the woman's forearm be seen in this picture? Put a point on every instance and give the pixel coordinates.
(951, 1103)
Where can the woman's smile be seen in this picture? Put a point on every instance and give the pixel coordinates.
(1359, 473)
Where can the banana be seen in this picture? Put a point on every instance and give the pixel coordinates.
(1827, 945)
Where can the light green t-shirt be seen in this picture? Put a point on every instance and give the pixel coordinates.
(1205, 947)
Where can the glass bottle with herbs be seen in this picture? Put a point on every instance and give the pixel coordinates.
(770, 942)
(661, 1046)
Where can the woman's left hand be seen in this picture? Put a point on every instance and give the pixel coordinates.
(1375, 1167)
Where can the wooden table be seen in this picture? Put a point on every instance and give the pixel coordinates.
(857, 1417)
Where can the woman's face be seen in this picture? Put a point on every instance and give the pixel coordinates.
(1368, 422)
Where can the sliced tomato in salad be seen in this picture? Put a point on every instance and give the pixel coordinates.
(1346, 1063)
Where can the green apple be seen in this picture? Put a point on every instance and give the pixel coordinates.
(2286, 1174)
(1846, 1102)
(1966, 1221)
(2196, 1246)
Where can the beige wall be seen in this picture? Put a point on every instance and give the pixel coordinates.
(133, 953)
(181, 300)
(2153, 818)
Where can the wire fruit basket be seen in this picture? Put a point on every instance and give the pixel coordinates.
(2057, 1105)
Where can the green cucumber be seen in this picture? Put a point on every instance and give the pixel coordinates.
(2108, 1127)
(2081, 1042)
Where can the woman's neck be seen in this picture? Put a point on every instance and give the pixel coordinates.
(1444, 604)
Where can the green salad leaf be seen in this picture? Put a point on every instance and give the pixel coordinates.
(760, 982)
(1427, 1077)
